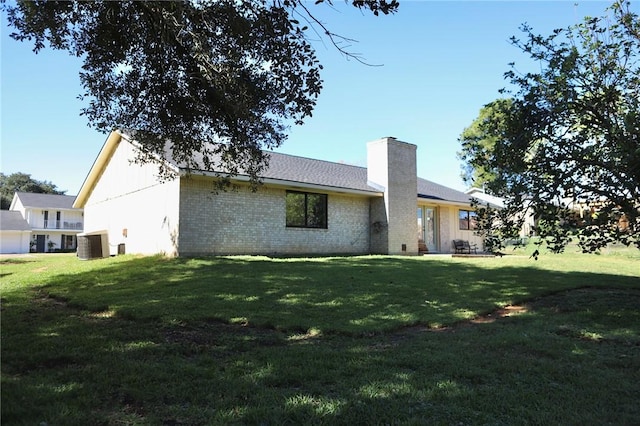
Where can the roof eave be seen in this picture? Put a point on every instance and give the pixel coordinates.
(289, 184)
(97, 169)
(423, 199)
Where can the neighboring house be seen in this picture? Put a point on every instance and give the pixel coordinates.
(53, 221)
(15, 233)
(304, 206)
(528, 224)
(480, 195)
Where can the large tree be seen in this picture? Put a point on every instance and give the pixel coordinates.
(23, 182)
(479, 139)
(567, 146)
(219, 79)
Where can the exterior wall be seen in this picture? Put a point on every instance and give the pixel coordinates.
(16, 205)
(445, 223)
(379, 230)
(70, 220)
(53, 239)
(245, 222)
(133, 206)
(450, 230)
(14, 242)
(391, 164)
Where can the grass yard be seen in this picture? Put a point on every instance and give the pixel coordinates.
(344, 340)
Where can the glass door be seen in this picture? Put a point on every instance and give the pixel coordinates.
(427, 228)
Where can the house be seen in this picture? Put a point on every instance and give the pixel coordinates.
(480, 195)
(528, 218)
(53, 221)
(15, 232)
(304, 206)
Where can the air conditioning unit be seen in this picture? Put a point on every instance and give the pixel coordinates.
(93, 246)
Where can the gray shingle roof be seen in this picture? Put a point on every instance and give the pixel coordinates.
(51, 201)
(326, 173)
(317, 172)
(292, 168)
(435, 191)
(13, 221)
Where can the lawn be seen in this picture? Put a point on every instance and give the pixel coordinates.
(342, 340)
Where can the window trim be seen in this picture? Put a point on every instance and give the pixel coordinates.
(325, 222)
(469, 215)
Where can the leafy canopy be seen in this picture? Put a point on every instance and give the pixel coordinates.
(566, 145)
(480, 138)
(23, 182)
(216, 78)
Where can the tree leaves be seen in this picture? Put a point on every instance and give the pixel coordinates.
(209, 83)
(23, 182)
(567, 145)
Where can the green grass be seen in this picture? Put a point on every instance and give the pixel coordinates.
(346, 340)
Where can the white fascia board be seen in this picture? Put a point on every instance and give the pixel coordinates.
(441, 202)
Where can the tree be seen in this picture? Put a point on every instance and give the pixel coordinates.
(480, 138)
(211, 81)
(23, 182)
(568, 144)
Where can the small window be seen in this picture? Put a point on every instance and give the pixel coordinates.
(306, 210)
(467, 219)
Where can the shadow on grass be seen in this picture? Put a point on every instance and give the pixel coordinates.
(149, 341)
(344, 295)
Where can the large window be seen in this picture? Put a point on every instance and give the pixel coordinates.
(306, 210)
(467, 219)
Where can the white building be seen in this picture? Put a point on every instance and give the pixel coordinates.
(52, 220)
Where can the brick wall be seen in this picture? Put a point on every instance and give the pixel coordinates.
(391, 164)
(244, 222)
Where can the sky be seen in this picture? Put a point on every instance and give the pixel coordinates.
(437, 63)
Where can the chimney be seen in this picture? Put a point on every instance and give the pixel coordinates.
(391, 167)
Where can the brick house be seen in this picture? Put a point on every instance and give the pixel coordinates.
(305, 206)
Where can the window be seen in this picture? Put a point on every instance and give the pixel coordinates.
(306, 210)
(467, 219)
(68, 242)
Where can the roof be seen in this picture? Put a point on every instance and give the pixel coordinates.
(291, 168)
(51, 201)
(13, 221)
(325, 173)
(483, 196)
(434, 191)
(288, 169)
(295, 169)
(306, 170)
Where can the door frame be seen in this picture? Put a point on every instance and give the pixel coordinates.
(41, 241)
(432, 246)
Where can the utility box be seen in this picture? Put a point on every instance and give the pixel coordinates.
(93, 246)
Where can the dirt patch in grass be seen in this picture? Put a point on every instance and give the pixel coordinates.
(564, 301)
(46, 299)
(507, 311)
(215, 334)
(13, 260)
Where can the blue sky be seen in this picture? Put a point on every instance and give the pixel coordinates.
(441, 62)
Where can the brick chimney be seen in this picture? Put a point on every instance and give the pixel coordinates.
(391, 167)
